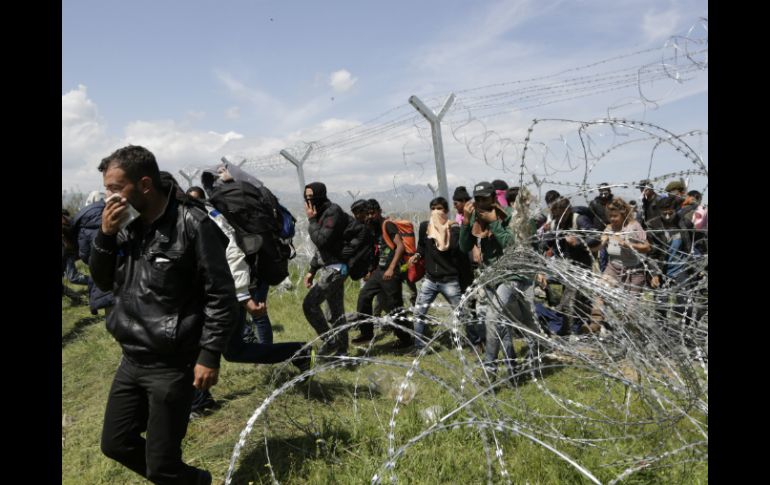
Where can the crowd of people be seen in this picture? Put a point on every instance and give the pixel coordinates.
(182, 286)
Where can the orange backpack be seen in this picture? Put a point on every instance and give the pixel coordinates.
(406, 231)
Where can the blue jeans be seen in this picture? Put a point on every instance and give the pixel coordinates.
(240, 350)
(262, 324)
(505, 301)
(428, 292)
(73, 275)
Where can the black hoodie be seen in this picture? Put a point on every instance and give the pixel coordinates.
(327, 231)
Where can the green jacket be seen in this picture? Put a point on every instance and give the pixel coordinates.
(491, 247)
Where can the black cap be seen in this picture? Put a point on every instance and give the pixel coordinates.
(461, 194)
(359, 205)
(483, 189)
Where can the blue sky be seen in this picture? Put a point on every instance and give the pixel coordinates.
(195, 80)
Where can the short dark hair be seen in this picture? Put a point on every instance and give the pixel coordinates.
(694, 193)
(551, 196)
(360, 205)
(136, 162)
(667, 203)
(439, 201)
(374, 205)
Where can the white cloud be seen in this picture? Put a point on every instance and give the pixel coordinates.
(660, 25)
(233, 113)
(341, 81)
(85, 142)
(176, 147)
(81, 126)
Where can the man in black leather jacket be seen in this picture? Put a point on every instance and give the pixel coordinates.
(174, 309)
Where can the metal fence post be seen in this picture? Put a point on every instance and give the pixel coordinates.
(438, 144)
(299, 164)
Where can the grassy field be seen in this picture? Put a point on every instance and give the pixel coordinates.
(332, 429)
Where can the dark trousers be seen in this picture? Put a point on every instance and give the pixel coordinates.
(241, 349)
(390, 295)
(156, 401)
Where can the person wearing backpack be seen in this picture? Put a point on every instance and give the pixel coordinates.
(359, 248)
(386, 278)
(241, 347)
(326, 226)
(439, 247)
(258, 220)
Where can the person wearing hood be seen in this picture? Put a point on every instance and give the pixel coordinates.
(439, 246)
(326, 227)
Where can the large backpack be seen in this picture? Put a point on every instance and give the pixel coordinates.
(406, 231)
(263, 227)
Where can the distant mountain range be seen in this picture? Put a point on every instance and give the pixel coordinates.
(406, 199)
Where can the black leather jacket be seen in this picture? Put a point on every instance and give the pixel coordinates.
(174, 293)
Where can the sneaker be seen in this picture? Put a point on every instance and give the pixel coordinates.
(363, 339)
(328, 348)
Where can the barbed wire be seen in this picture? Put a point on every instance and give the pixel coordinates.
(637, 356)
(536, 92)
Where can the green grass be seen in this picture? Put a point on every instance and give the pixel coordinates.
(332, 430)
